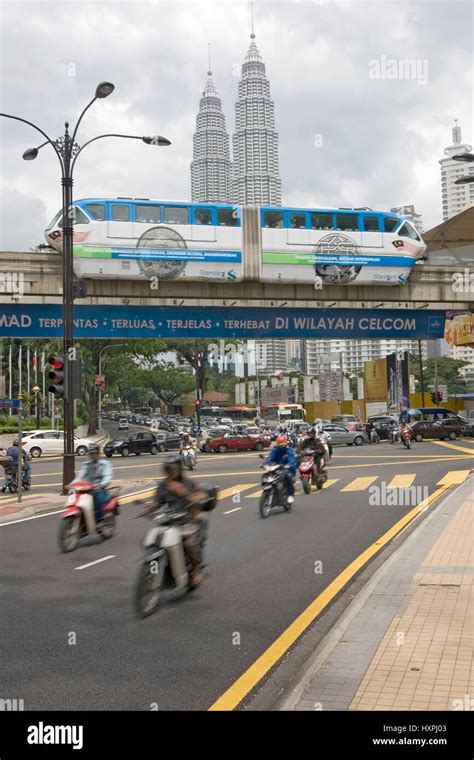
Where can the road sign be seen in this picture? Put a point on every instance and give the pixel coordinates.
(10, 403)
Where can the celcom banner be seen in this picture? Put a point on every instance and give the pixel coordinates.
(128, 322)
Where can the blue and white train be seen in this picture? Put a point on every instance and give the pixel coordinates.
(136, 238)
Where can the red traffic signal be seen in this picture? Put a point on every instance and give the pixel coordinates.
(198, 402)
(57, 376)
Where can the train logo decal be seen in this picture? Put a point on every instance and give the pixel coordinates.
(161, 238)
(335, 257)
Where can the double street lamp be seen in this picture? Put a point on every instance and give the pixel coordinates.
(465, 158)
(67, 151)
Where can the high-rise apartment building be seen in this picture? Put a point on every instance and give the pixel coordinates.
(455, 198)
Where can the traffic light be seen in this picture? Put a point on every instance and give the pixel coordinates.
(57, 376)
(433, 397)
(198, 402)
(439, 397)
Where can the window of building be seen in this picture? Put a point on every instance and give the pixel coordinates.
(408, 231)
(273, 219)
(371, 223)
(298, 221)
(148, 214)
(176, 214)
(227, 217)
(347, 222)
(97, 211)
(120, 212)
(202, 216)
(389, 224)
(322, 221)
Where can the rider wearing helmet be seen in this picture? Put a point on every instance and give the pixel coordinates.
(283, 454)
(14, 452)
(100, 473)
(176, 493)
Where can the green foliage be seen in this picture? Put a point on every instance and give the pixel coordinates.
(448, 373)
(167, 383)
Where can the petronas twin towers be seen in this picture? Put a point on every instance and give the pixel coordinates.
(253, 176)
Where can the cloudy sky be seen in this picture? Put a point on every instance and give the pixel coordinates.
(349, 134)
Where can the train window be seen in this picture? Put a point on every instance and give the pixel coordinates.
(408, 231)
(97, 211)
(176, 214)
(202, 216)
(298, 221)
(79, 217)
(347, 222)
(371, 224)
(120, 212)
(227, 217)
(322, 222)
(389, 224)
(274, 219)
(148, 214)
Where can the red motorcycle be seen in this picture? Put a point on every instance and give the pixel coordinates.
(406, 437)
(78, 520)
(312, 469)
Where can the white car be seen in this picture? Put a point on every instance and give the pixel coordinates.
(40, 442)
(123, 423)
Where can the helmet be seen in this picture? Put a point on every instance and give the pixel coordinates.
(16, 442)
(311, 431)
(94, 448)
(282, 441)
(171, 463)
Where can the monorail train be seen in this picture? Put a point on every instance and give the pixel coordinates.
(136, 238)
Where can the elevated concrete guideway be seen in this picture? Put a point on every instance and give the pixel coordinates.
(428, 287)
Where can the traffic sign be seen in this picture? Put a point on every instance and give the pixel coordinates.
(10, 403)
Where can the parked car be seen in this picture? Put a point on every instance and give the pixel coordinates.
(225, 421)
(387, 418)
(448, 428)
(343, 419)
(123, 423)
(167, 441)
(237, 442)
(340, 434)
(39, 442)
(136, 443)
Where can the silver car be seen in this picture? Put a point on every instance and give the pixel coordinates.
(340, 434)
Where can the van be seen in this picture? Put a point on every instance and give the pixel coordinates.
(427, 414)
(123, 423)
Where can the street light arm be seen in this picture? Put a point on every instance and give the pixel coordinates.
(80, 119)
(30, 124)
(128, 137)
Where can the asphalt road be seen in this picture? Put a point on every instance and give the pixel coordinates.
(69, 636)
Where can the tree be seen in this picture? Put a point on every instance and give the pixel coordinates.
(449, 373)
(196, 354)
(167, 382)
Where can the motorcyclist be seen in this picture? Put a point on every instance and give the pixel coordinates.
(176, 493)
(14, 453)
(188, 442)
(100, 473)
(283, 454)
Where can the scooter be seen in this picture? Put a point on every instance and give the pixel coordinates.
(165, 564)
(312, 469)
(188, 457)
(78, 519)
(11, 475)
(406, 438)
(274, 493)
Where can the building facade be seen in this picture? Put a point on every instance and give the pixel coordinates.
(455, 198)
(409, 213)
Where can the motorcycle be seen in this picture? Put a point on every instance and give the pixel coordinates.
(78, 519)
(165, 564)
(11, 475)
(406, 438)
(395, 435)
(274, 493)
(188, 457)
(312, 469)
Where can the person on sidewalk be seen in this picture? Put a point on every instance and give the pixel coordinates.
(100, 473)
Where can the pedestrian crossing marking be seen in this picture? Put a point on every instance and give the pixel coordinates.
(360, 484)
(401, 481)
(254, 495)
(453, 477)
(330, 482)
(234, 490)
(257, 494)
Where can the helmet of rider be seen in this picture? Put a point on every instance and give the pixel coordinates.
(311, 432)
(171, 463)
(94, 448)
(16, 442)
(282, 441)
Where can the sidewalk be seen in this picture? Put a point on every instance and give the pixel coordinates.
(406, 640)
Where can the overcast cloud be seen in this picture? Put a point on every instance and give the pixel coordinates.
(345, 139)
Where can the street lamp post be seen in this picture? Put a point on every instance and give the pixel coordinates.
(67, 151)
(465, 158)
(116, 345)
(36, 390)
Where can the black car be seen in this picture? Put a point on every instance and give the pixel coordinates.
(136, 443)
(167, 441)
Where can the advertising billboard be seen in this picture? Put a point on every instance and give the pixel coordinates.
(375, 380)
(459, 328)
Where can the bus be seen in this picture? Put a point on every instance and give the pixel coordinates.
(136, 238)
(284, 414)
(235, 413)
(428, 414)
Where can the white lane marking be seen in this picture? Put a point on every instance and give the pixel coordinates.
(96, 562)
(34, 517)
(236, 509)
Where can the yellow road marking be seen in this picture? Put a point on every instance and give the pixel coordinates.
(401, 481)
(360, 484)
(254, 674)
(454, 446)
(254, 495)
(233, 490)
(330, 482)
(453, 477)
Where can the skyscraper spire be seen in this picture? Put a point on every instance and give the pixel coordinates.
(252, 36)
(210, 167)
